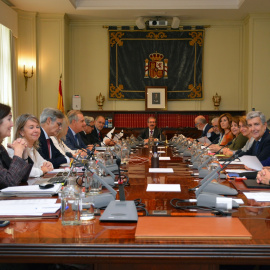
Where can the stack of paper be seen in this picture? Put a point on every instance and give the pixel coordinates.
(33, 190)
(45, 208)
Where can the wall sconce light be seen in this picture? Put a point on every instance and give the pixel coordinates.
(27, 77)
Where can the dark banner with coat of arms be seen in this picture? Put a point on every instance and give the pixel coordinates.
(156, 58)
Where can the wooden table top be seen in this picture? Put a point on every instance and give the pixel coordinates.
(49, 241)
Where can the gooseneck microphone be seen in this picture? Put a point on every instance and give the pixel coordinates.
(229, 143)
(120, 182)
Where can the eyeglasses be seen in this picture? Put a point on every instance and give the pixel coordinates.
(59, 124)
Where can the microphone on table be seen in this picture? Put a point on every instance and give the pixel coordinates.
(229, 143)
(120, 182)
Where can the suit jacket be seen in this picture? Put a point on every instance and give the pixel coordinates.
(156, 134)
(12, 171)
(57, 158)
(87, 138)
(95, 138)
(263, 151)
(71, 141)
(213, 136)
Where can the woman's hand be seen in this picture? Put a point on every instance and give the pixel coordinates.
(46, 167)
(227, 152)
(19, 146)
(214, 148)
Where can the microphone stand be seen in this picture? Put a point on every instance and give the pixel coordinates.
(120, 182)
(206, 199)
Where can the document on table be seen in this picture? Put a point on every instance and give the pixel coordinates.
(258, 196)
(161, 170)
(32, 207)
(163, 187)
(252, 162)
(31, 190)
(235, 162)
(59, 170)
(204, 140)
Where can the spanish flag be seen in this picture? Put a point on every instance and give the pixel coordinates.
(60, 103)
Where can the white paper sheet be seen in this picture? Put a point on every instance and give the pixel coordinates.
(32, 207)
(33, 189)
(204, 140)
(160, 170)
(163, 188)
(258, 196)
(252, 162)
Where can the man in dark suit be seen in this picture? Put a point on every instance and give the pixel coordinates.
(51, 123)
(96, 134)
(76, 124)
(258, 128)
(151, 130)
(201, 124)
(87, 130)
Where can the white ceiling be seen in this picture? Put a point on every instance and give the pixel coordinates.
(117, 10)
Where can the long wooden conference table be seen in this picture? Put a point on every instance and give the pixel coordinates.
(113, 245)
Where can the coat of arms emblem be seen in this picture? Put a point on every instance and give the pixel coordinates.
(157, 67)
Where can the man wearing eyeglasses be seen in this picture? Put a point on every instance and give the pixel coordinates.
(51, 123)
(87, 130)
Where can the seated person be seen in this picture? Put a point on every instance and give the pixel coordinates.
(239, 139)
(259, 131)
(87, 130)
(224, 123)
(58, 139)
(207, 131)
(28, 127)
(96, 135)
(12, 171)
(245, 132)
(152, 131)
(76, 124)
(51, 123)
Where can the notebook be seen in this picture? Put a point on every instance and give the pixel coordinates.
(252, 183)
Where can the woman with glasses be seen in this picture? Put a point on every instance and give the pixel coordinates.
(12, 170)
(28, 127)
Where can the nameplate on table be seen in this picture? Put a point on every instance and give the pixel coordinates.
(164, 158)
(163, 188)
(161, 170)
(191, 228)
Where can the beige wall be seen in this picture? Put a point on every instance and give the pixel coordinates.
(235, 64)
(9, 18)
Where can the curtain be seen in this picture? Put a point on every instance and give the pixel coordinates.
(6, 68)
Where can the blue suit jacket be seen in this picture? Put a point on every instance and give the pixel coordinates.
(71, 141)
(263, 152)
(213, 136)
(57, 158)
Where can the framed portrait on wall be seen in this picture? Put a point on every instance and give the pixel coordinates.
(155, 98)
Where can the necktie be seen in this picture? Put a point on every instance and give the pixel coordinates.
(76, 138)
(151, 132)
(99, 136)
(49, 148)
(257, 147)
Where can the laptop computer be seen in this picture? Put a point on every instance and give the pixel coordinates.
(252, 183)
